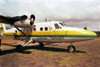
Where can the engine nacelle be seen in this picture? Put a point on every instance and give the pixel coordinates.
(20, 21)
(24, 23)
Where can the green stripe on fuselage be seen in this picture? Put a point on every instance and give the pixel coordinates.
(83, 36)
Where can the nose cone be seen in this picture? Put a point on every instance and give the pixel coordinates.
(89, 34)
(82, 34)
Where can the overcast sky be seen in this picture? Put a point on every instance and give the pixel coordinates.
(79, 12)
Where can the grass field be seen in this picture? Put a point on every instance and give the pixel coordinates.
(54, 55)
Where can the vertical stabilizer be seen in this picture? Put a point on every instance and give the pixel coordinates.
(3, 28)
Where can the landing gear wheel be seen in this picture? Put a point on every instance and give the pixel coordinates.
(0, 50)
(41, 45)
(71, 49)
(19, 48)
(0, 45)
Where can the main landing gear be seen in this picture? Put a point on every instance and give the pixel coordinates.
(0, 45)
(19, 48)
(41, 45)
(71, 48)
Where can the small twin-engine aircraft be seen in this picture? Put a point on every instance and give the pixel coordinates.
(44, 32)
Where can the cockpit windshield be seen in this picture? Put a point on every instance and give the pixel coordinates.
(63, 24)
(57, 26)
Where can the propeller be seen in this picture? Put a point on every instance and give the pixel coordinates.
(32, 18)
(13, 20)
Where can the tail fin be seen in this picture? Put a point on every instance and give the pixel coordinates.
(3, 28)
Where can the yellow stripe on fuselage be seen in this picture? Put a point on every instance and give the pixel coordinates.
(81, 32)
(40, 33)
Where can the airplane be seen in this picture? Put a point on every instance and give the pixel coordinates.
(44, 32)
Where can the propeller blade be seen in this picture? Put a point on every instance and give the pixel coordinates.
(33, 17)
(4, 19)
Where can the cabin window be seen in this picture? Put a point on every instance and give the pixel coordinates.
(15, 31)
(22, 30)
(30, 29)
(27, 30)
(46, 28)
(41, 29)
(57, 26)
(34, 29)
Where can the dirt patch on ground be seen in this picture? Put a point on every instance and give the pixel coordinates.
(54, 55)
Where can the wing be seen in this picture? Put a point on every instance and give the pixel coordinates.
(11, 20)
(4, 19)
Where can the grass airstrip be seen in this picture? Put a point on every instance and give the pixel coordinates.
(52, 55)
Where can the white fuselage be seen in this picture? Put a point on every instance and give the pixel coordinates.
(56, 32)
(53, 31)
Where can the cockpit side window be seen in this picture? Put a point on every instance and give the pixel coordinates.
(64, 25)
(57, 26)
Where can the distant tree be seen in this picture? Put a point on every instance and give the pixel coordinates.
(0, 44)
(85, 28)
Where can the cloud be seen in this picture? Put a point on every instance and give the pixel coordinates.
(64, 10)
(59, 9)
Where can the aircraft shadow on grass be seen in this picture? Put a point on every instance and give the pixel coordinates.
(33, 47)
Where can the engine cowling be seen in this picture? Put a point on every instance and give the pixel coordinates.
(19, 21)
(24, 21)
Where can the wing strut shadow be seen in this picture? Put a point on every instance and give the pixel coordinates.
(53, 49)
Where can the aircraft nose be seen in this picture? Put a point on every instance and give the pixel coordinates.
(89, 34)
(82, 34)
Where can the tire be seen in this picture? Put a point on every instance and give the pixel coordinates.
(19, 48)
(41, 45)
(71, 49)
(0, 45)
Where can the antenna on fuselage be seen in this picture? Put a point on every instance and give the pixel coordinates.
(46, 20)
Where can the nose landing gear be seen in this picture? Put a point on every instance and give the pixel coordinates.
(71, 48)
(0, 45)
